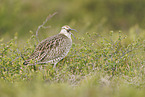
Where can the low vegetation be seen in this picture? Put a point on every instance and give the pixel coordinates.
(103, 61)
(107, 65)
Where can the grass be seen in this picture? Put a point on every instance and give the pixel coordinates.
(101, 62)
(96, 15)
(111, 65)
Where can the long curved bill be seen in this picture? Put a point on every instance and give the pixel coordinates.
(73, 30)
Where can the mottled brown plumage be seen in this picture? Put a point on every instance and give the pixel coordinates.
(52, 49)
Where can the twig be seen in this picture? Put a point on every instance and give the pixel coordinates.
(48, 17)
(20, 55)
(128, 51)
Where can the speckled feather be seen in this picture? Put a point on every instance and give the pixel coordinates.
(52, 49)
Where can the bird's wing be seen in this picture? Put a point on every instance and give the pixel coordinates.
(48, 48)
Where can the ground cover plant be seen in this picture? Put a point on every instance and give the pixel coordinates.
(107, 57)
(104, 66)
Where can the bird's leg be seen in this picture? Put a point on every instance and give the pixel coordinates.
(41, 67)
(54, 65)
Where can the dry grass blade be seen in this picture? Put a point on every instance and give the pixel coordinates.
(48, 17)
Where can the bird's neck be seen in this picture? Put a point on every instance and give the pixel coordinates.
(63, 31)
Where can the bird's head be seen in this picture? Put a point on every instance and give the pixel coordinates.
(66, 30)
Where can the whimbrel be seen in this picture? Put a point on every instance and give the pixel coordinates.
(52, 49)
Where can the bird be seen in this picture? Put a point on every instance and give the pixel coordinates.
(52, 49)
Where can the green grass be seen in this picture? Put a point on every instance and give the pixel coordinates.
(86, 16)
(109, 65)
(101, 62)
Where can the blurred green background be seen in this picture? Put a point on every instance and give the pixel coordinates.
(111, 64)
(23, 16)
